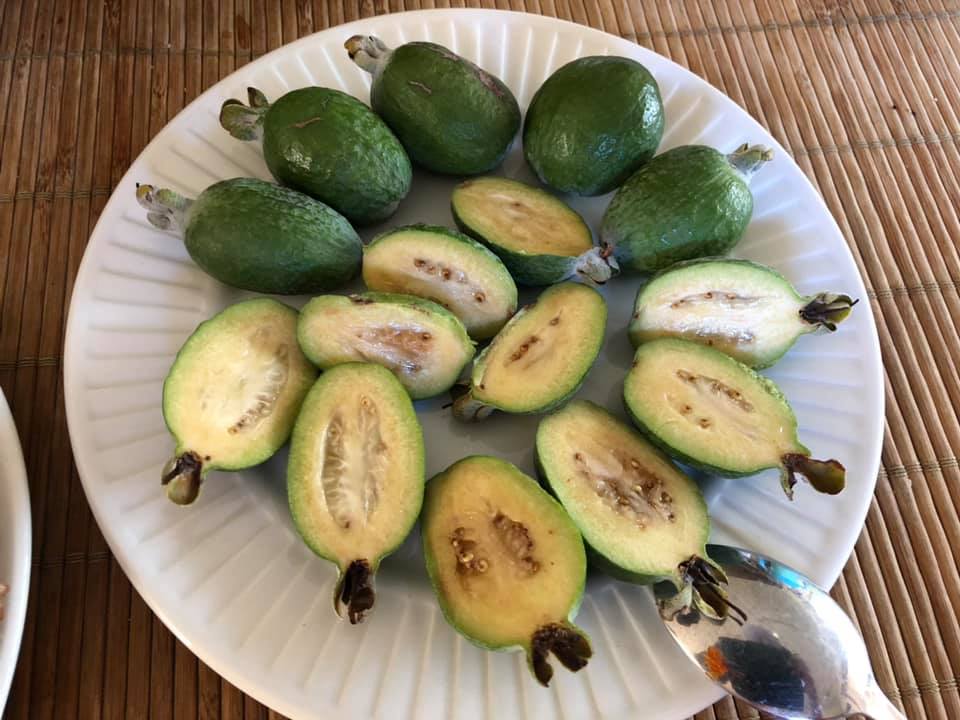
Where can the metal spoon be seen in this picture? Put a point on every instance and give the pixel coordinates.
(796, 655)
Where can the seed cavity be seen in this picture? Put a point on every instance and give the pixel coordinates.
(715, 297)
(515, 539)
(704, 383)
(469, 563)
(353, 464)
(445, 272)
(625, 484)
(270, 375)
(523, 348)
(399, 348)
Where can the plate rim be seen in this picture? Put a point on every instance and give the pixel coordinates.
(832, 567)
(13, 477)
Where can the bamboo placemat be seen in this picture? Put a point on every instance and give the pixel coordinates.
(864, 93)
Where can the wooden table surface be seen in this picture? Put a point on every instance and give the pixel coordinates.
(864, 93)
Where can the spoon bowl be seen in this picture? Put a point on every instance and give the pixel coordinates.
(795, 655)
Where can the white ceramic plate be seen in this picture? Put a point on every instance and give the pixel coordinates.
(15, 541)
(229, 575)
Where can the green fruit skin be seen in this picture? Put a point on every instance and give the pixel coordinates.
(257, 236)
(681, 455)
(295, 477)
(433, 572)
(761, 362)
(592, 124)
(451, 116)
(332, 147)
(685, 203)
(198, 336)
(526, 269)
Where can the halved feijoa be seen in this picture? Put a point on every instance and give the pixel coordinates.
(540, 239)
(447, 267)
(423, 344)
(540, 357)
(233, 393)
(643, 518)
(749, 311)
(711, 411)
(355, 477)
(506, 562)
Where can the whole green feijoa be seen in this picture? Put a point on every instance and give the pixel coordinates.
(258, 236)
(452, 116)
(328, 145)
(592, 123)
(688, 202)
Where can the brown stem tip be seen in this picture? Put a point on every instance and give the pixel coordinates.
(568, 644)
(182, 477)
(826, 476)
(355, 592)
(709, 595)
(827, 310)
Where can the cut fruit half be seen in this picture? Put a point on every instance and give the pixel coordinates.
(506, 562)
(748, 311)
(423, 344)
(540, 239)
(445, 266)
(713, 412)
(355, 477)
(233, 393)
(644, 519)
(540, 357)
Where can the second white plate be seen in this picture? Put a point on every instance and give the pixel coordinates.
(15, 544)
